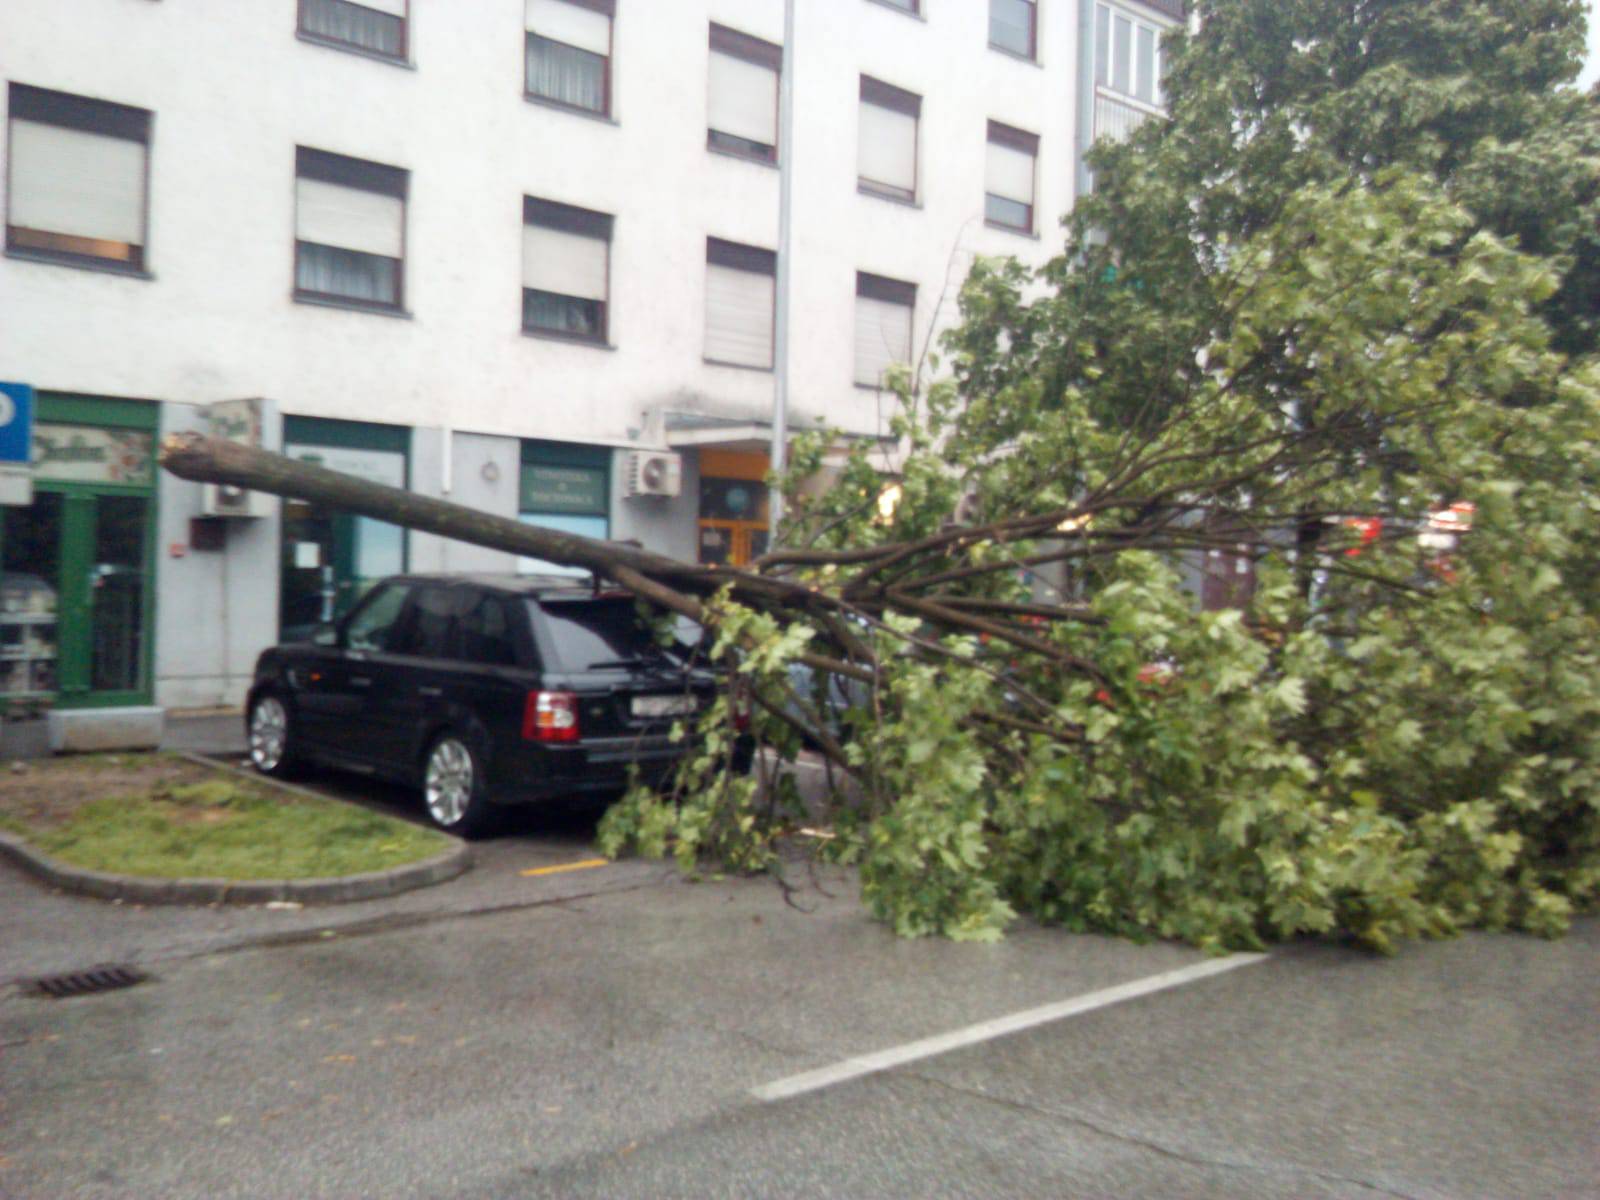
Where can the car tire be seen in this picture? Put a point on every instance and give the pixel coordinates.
(455, 787)
(270, 736)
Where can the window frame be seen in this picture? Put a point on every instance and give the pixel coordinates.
(895, 99)
(1009, 136)
(402, 58)
(1033, 33)
(607, 9)
(911, 8)
(1107, 86)
(357, 174)
(887, 291)
(760, 53)
(754, 260)
(82, 114)
(583, 222)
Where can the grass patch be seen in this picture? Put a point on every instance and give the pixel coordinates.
(165, 817)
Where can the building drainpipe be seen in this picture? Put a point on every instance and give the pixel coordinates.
(780, 348)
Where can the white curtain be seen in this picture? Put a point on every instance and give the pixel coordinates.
(738, 316)
(742, 99)
(567, 75)
(568, 264)
(888, 148)
(570, 24)
(349, 218)
(883, 336)
(75, 183)
(374, 24)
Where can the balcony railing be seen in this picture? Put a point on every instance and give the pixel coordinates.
(1117, 116)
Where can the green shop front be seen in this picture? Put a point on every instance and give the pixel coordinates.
(330, 558)
(564, 486)
(77, 564)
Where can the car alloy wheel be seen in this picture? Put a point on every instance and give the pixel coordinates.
(449, 781)
(269, 734)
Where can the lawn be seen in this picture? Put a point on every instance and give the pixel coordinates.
(167, 817)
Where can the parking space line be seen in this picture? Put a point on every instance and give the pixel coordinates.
(983, 1031)
(583, 865)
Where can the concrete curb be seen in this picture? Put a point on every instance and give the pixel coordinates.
(143, 889)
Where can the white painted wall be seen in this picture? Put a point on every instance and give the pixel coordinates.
(233, 91)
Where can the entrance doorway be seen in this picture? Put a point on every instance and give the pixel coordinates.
(733, 507)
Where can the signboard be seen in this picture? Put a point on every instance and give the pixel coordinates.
(235, 421)
(562, 490)
(89, 454)
(16, 436)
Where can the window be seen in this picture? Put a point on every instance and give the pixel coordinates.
(886, 158)
(372, 624)
(883, 325)
(914, 7)
(742, 95)
(376, 26)
(487, 638)
(569, 53)
(1127, 55)
(566, 258)
(1013, 26)
(350, 218)
(1009, 177)
(740, 286)
(77, 178)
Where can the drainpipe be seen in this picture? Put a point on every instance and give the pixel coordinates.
(780, 347)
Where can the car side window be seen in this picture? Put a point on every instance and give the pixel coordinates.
(372, 625)
(486, 636)
(431, 632)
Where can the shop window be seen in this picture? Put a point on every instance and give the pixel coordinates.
(740, 291)
(884, 309)
(568, 49)
(77, 179)
(350, 218)
(375, 26)
(566, 262)
(1009, 178)
(566, 489)
(886, 153)
(742, 95)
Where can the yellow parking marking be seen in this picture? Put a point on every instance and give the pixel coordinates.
(582, 865)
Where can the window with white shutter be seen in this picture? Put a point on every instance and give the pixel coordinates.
(76, 178)
(742, 95)
(884, 309)
(378, 27)
(740, 288)
(1009, 177)
(568, 52)
(350, 218)
(886, 152)
(566, 263)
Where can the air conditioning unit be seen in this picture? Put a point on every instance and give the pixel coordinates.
(654, 473)
(225, 500)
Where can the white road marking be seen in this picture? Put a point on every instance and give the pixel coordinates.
(983, 1031)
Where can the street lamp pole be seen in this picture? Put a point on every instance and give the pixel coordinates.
(780, 348)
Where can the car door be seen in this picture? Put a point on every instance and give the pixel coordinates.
(411, 676)
(337, 696)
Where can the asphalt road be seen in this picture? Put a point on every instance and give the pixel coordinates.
(604, 1032)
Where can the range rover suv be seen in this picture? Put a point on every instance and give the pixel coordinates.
(484, 691)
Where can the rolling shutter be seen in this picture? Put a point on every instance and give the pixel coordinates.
(76, 183)
(349, 218)
(568, 264)
(738, 316)
(571, 24)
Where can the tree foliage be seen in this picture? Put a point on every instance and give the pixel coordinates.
(1352, 278)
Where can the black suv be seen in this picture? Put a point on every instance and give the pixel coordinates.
(483, 690)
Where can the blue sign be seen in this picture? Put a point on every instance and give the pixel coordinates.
(16, 423)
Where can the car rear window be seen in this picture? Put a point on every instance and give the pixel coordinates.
(587, 634)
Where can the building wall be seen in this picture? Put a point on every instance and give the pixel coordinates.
(234, 91)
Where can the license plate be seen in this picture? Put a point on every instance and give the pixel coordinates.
(663, 706)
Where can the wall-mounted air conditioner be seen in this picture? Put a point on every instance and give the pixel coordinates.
(654, 473)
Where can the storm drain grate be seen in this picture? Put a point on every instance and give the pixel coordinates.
(87, 983)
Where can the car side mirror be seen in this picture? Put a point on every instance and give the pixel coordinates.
(325, 635)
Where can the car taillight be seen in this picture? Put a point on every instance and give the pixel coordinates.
(550, 717)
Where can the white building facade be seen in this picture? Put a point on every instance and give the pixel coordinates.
(520, 254)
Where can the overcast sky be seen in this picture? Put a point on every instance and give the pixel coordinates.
(1592, 67)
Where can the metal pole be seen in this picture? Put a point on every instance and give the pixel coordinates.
(780, 348)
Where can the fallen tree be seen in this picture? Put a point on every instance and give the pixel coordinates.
(1291, 325)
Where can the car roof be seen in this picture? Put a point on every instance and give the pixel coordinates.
(564, 586)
